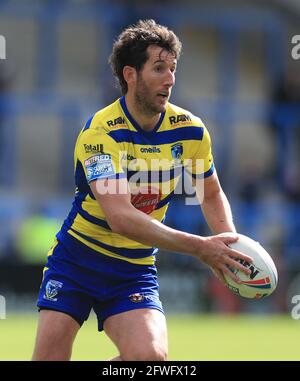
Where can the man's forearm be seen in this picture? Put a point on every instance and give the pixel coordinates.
(217, 212)
(145, 229)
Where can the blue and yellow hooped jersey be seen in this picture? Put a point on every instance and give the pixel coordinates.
(113, 145)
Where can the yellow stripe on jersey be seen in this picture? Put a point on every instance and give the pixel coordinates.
(113, 145)
(44, 270)
(50, 252)
(80, 225)
(139, 261)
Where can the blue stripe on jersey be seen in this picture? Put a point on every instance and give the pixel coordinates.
(165, 201)
(164, 137)
(67, 223)
(116, 176)
(81, 182)
(109, 177)
(77, 209)
(71, 217)
(77, 206)
(88, 123)
(156, 176)
(129, 253)
(205, 174)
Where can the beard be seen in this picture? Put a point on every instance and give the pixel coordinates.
(145, 101)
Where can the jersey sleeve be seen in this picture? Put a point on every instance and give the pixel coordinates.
(100, 156)
(202, 162)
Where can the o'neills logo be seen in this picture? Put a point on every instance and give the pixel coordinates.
(150, 150)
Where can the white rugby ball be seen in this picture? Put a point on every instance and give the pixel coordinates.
(262, 280)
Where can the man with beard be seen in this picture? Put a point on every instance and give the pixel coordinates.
(128, 161)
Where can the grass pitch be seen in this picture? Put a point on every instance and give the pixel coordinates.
(191, 337)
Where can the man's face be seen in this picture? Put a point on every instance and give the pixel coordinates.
(155, 81)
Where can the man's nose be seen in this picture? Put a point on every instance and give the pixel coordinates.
(170, 78)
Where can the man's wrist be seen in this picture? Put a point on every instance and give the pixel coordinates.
(196, 244)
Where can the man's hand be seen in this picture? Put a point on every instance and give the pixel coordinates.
(216, 254)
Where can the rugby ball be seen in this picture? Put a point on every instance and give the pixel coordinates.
(262, 280)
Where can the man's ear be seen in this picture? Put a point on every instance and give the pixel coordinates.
(129, 74)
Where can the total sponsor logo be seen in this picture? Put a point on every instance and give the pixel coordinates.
(93, 148)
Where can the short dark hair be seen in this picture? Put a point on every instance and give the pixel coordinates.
(130, 48)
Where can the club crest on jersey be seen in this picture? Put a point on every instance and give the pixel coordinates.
(176, 152)
(52, 288)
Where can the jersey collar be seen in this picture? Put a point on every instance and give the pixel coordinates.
(135, 123)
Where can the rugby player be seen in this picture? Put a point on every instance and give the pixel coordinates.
(129, 158)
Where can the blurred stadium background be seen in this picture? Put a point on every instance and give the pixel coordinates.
(236, 73)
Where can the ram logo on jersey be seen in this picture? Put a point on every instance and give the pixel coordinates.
(174, 119)
(115, 122)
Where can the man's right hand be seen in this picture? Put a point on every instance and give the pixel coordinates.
(216, 253)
